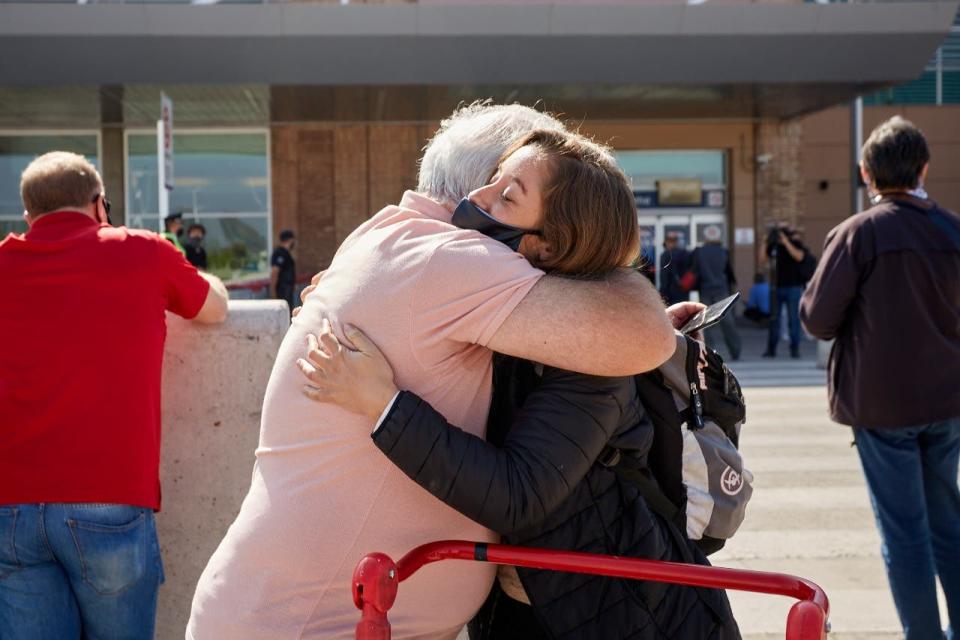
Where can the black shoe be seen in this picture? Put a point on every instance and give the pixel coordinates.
(769, 354)
(795, 354)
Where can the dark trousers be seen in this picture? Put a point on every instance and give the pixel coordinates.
(285, 292)
(727, 326)
(789, 298)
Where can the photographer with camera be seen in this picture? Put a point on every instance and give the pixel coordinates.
(788, 259)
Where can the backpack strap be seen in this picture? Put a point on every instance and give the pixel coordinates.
(693, 414)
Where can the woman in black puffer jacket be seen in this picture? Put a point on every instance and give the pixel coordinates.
(540, 479)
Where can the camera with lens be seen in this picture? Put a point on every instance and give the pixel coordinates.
(773, 235)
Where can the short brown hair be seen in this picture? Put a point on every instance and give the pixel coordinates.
(589, 212)
(58, 180)
(895, 154)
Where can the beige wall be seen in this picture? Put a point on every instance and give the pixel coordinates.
(826, 157)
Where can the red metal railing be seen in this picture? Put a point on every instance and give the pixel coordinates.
(377, 577)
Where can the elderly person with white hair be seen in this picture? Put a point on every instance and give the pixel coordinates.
(438, 299)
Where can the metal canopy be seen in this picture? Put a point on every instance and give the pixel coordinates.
(779, 59)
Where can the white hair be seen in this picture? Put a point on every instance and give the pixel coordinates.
(463, 153)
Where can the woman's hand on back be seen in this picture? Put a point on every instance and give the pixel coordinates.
(359, 381)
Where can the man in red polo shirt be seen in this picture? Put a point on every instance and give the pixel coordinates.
(82, 328)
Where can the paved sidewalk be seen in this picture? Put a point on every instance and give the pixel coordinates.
(810, 516)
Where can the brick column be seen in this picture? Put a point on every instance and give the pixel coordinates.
(330, 177)
(779, 176)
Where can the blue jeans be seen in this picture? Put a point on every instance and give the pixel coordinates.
(912, 479)
(788, 297)
(70, 571)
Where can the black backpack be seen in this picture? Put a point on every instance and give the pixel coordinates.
(694, 476)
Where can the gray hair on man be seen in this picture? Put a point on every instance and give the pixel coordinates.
(463, 153)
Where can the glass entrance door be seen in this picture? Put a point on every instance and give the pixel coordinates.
(686, 226)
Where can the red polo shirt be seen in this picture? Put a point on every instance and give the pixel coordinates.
(82, 327)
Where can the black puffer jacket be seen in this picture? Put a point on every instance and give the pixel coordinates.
(544, 487)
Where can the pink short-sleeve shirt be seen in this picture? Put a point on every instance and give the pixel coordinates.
(322, 495)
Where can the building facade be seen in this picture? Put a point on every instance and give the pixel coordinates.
(311, 117)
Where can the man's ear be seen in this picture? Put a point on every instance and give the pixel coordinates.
(923, 175)
(27, 218)
(867, 180)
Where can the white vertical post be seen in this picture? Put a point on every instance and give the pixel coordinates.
(164, 157)
(856, 143)
(163, 196)
(940, 76)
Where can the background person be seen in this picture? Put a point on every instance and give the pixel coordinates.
(787, 254)
(82, 313)
(283, 271)
(674, 262)
(173, 229)
(888, 291)
(196, 253)
(758, 303)
(716, 281)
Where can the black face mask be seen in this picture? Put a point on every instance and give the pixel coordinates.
(469, 216)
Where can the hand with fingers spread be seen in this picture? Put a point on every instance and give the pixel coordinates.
(314, 281)
(359, 381)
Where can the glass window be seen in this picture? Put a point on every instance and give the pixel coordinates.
(213, 173)
(16, 152)
(646, 167)
(220, 181)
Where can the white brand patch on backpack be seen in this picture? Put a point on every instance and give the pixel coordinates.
(731, 482)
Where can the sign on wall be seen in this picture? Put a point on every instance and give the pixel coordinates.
(743, 236)
(679, 192)
(706, 198)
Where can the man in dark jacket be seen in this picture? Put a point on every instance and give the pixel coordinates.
(674, 262)
(196, 253)
(716, 280)
(283, 274)
(888, 290)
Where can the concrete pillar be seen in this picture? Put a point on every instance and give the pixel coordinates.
(779, 159)
(214, 378)
(111, 150)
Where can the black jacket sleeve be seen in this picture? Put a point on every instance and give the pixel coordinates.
(556, 436)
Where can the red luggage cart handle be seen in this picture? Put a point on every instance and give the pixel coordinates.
(376, 578)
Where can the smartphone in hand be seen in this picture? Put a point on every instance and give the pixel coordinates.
(709, 316)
